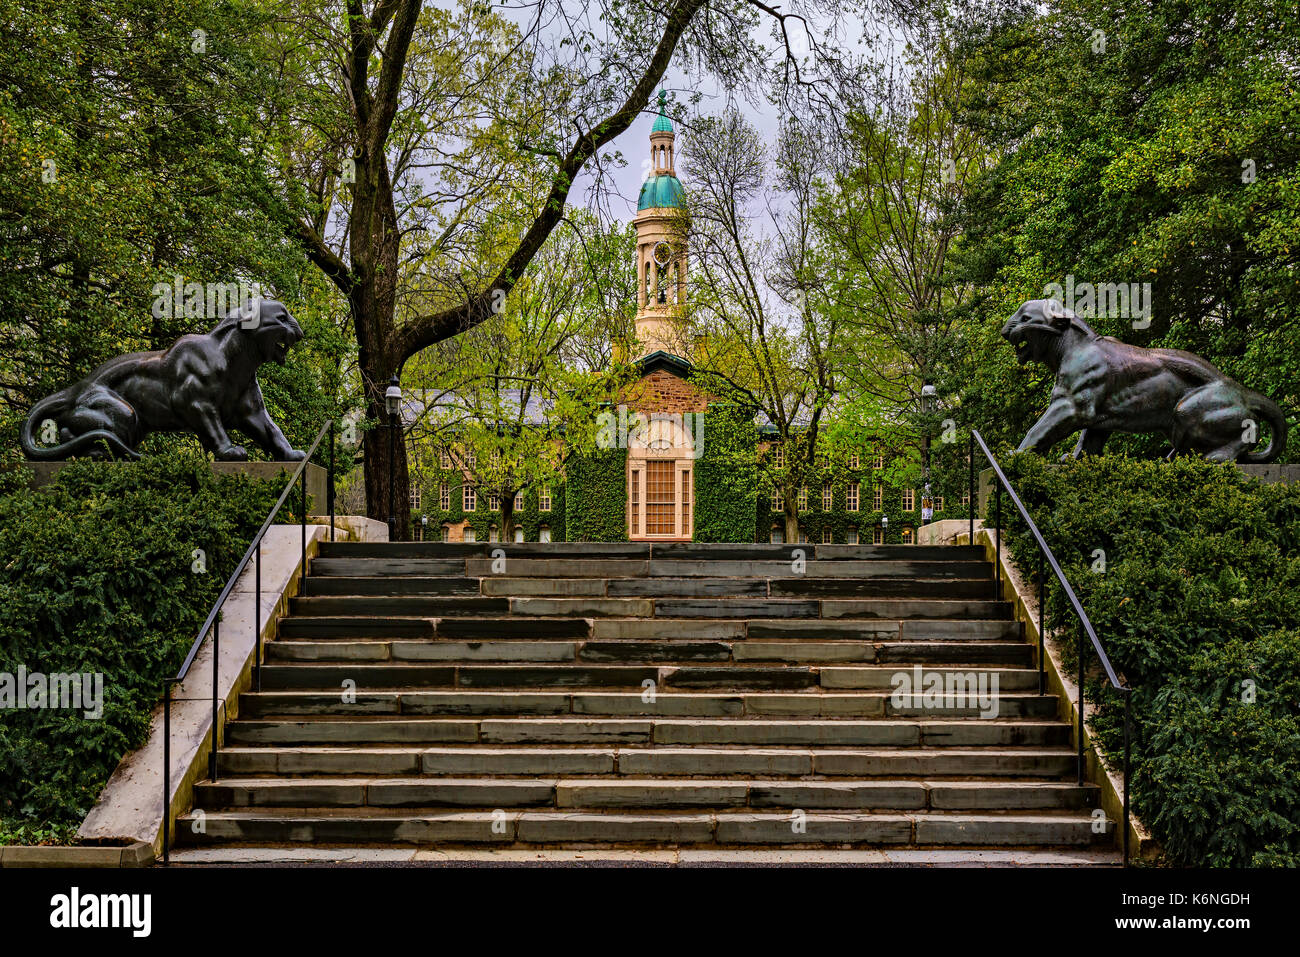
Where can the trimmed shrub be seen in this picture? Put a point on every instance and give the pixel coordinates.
(97, 576)
(1198, 607)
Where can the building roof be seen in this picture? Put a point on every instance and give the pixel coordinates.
(661, 190)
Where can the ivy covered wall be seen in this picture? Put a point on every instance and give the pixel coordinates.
(597, 499)
(900, 470)
(483, 519)
(726, 477)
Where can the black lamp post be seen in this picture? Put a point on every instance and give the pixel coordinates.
(393, 403)
(929, 398)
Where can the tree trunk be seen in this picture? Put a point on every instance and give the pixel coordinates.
(792, 517)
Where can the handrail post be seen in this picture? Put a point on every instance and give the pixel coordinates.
(257, 603)
(216, 667)
(1042, 606)
(330, 492)
(1128, 696)
(971, 502)
(167, 769)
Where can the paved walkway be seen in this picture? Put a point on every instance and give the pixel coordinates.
(412, 857)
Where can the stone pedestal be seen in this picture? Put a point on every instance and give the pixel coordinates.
(42, 473)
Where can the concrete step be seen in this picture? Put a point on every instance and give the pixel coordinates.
(751, 732)
(559, 827)
(651, 793)
(614, 651)
(850, 704)
(463, 761)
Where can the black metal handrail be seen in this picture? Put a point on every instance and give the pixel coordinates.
(213, 621)
(1045, 554)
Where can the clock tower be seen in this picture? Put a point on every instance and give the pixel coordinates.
(661, 247)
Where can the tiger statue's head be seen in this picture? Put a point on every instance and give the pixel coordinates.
(269, 326)
(1039, 328)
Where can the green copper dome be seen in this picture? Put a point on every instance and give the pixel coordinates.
(660, 190)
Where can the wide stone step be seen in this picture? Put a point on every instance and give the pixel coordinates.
(644, 550)
(599, 651)
(378, 676)
(755, 732)
(350, 627)
(558, 827)
(731, 608)
(476, 760)
(479, 565)
(651, 793)
(852, 704)
(372, 676)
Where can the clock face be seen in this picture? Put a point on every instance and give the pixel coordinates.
(662, 253)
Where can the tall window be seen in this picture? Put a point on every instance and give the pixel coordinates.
(880, 461)
(907, 536)
(826, 496)
(544, 498)
(827, 537)
(415, 498)
(778, 503)
(494, 534)
(444, 458)
(778, 456)
(938, 503)
(909, 500)
(686, 502)
(494, 503)
(965, 499)
(852, 536)
(469, 498)
(778, 535)
(878, 499)
(803, 499)
(470, 535)
(470, 458)
(853, 496)
(544, 533)
(444, 497)
(853, 460)
(877, 536)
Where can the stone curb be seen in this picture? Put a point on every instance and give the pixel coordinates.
(138, 854)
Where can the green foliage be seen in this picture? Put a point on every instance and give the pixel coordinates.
(95, 576)
(900, 471)
(1197, 608)
(1166, 155)
(726, 477)
(597, 496)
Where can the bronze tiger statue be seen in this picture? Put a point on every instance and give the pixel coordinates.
(205, 383)
(1104, 386)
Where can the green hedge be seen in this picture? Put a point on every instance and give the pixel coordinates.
(1199, 607)
(597, 496)
(726, 477)
(96, 576)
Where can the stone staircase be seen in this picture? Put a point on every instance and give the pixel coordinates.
(674, 695)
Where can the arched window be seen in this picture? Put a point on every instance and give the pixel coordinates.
(519, 533)
(544, 533)
(778, 535)
(446, 532)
